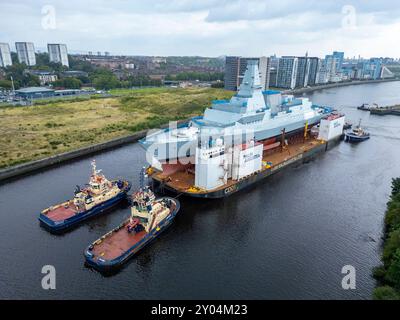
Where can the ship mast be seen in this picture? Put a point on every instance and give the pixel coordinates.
(143, 176)
(94, 171)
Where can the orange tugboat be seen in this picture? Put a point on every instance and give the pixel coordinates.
(149, 217)
(97, 196)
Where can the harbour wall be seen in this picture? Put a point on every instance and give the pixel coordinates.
(36, 165)
(32, 166)
(335, 85)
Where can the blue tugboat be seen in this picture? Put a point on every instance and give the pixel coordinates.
(149, 217)
(96, 197)
(357, 135)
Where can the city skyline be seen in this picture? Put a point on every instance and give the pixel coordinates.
(208, 28)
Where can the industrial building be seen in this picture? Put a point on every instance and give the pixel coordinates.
(26, 53)
(5, 55)
(34, 92)
(58, 53)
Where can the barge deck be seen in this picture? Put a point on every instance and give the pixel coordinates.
(182, 182)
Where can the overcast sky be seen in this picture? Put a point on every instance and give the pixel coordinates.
(207, 27)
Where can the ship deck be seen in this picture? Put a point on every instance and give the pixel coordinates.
(117, 243)
(182, 181)
(61, 213)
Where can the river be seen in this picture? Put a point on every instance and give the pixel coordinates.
(287, 237)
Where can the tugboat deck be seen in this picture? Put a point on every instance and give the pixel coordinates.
(184, 180)
(117, 243)
(62, 212)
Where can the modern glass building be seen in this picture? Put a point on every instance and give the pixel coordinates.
(287, 72)
(315, 65)
(372, 68)
(339, 56)
(303, 71)
(235, 68)
(231, 78)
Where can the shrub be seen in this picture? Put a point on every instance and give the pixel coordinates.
(393, 272)
(385, 293)
(379, 273)
(392, 244)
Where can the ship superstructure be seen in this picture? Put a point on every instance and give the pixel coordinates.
(98, 190)
(146, 212)
(261, 114)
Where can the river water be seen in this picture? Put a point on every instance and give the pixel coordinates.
(287, 237)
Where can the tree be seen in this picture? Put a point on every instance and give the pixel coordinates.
(42, 59)
(68, 83)
(105, 82)
(395, 186)
(385, 293)
(80, 65)
(392, 243)
(31, 80)
(393, 273)
(6, 84)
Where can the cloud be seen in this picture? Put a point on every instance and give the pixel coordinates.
(207, 27)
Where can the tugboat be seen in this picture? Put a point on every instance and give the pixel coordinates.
(347, 125)
(96, 197)
(149, 217)
(357, 135)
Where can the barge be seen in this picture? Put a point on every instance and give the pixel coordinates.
(99, 195)
(219, 172)
(149, 218)
(183, 182)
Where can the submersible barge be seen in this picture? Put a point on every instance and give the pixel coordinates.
(183, 182)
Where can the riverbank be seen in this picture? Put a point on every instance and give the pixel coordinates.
(42, 131)
(32, 166)
(388, 275)
(335, 85)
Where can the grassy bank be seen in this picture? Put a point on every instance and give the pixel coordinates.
(388, 275)
(39, 131)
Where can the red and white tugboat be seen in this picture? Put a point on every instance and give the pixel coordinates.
(97, 196)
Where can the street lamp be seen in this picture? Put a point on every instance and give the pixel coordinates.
(12, 84)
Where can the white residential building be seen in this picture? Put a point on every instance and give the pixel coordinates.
(5, 55)
(26, 53)
(58, 53)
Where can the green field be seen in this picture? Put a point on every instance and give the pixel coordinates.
(39, 131)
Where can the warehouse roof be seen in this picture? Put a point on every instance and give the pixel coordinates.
(34, 90)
